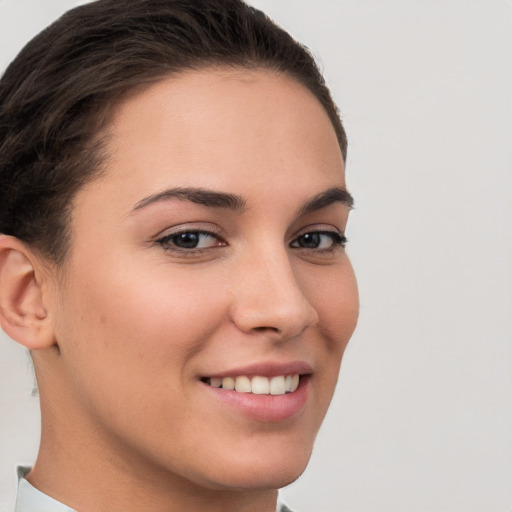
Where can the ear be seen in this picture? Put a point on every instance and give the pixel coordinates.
(22, 313)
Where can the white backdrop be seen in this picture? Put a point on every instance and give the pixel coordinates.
(422, 419)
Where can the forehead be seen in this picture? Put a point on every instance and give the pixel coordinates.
(235, 130)
(230, 112)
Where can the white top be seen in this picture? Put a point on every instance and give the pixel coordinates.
(30, 499)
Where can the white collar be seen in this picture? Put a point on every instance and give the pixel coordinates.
(30, 499)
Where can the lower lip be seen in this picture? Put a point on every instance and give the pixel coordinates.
(266, 408)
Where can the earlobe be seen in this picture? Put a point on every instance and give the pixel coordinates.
(22, 313)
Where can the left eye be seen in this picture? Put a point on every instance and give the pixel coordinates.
(319, 240)
(191, 240)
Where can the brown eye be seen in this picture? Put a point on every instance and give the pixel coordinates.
(309, 240)
(190, 240)
(319, 240)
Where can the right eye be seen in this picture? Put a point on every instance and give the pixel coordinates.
(190, 240)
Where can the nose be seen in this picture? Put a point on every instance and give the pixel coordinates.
(268, 298)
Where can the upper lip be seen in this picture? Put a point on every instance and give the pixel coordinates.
(266, 369)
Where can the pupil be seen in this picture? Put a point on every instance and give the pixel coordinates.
(187, 240)
(310, 240)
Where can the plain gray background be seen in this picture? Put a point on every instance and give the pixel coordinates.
(422, 418)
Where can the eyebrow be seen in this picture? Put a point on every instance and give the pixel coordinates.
(326, 198)
(233, 202)
(200, 196)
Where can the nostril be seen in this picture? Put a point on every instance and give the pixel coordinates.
(262, 329)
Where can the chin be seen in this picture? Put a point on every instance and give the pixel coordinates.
(257, 481)
(271, 470)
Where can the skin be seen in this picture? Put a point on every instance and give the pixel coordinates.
(134, 323)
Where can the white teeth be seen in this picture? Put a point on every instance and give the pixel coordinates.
(258, 385)
(228, 383)
(295, 382)
(243, 384)
(277, 386)
(216, 382)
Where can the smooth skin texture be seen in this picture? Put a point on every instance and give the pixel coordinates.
(123, 334)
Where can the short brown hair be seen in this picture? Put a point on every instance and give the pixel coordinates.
(57, 93)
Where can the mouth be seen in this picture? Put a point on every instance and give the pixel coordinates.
(264, 391)
(257, 385)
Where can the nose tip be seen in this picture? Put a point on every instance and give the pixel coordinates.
(286, 320)
(271, 300)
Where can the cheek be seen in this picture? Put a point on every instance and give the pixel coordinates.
(130, 343)
(336, 300)
(138, 326)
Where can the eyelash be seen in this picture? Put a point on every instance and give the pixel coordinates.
(168, 242)
(337, 240)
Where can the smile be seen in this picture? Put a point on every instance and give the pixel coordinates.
(257, 385)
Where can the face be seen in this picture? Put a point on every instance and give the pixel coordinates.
(210, 253)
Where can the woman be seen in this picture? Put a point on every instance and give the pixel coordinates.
(172, 253)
